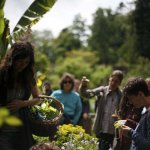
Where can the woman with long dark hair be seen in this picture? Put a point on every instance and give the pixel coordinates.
(17, 83)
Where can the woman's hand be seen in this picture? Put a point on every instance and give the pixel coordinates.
(124, 130)
(85, 116)
(84, 81)
(115, 117)
(16, 105)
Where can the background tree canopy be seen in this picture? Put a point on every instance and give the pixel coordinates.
(113, 43)
(115, 40)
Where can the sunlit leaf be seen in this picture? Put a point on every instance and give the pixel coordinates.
(2, 2)
(116, 125)
(1, 121)
(2, 25)
(13, 121)
(4, 112)
(1, 21)
(39, 82)
(42, 77)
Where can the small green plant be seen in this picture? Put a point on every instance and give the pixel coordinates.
(40, 139)
(71, 137)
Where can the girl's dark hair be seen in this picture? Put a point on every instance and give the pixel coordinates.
(25, 78)
(135, 85)
(128, 111)
(124, 106)
(67, 75)
(19, 50)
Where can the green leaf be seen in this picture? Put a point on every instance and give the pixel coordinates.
(4, 30)
(4, 112)
(31, 16)
(1, 121)
(2, 2)
(2, 24)
(1, 21)
(13, 121)
(116, 125)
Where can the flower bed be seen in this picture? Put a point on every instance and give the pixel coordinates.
(70, 137)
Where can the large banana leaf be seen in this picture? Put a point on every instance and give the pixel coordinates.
(2, 2)
(4, 28)
(31, 16)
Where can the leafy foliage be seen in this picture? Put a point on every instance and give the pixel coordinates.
(108, 34)
(44, 111)
(42, 62)
(80, 29)
(31, 16)
(42, 41)
(76, 62)
(2, 23)
(40, 139)
(6, 118)
(66, 41)
(101, 75)
(141, 20)
(4, 30)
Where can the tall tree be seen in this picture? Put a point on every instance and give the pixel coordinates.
(42, 40)
(66, 41)
(108, 33)
(80, 29)
(141, 25)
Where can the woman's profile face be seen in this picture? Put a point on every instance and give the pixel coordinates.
(21, 64)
